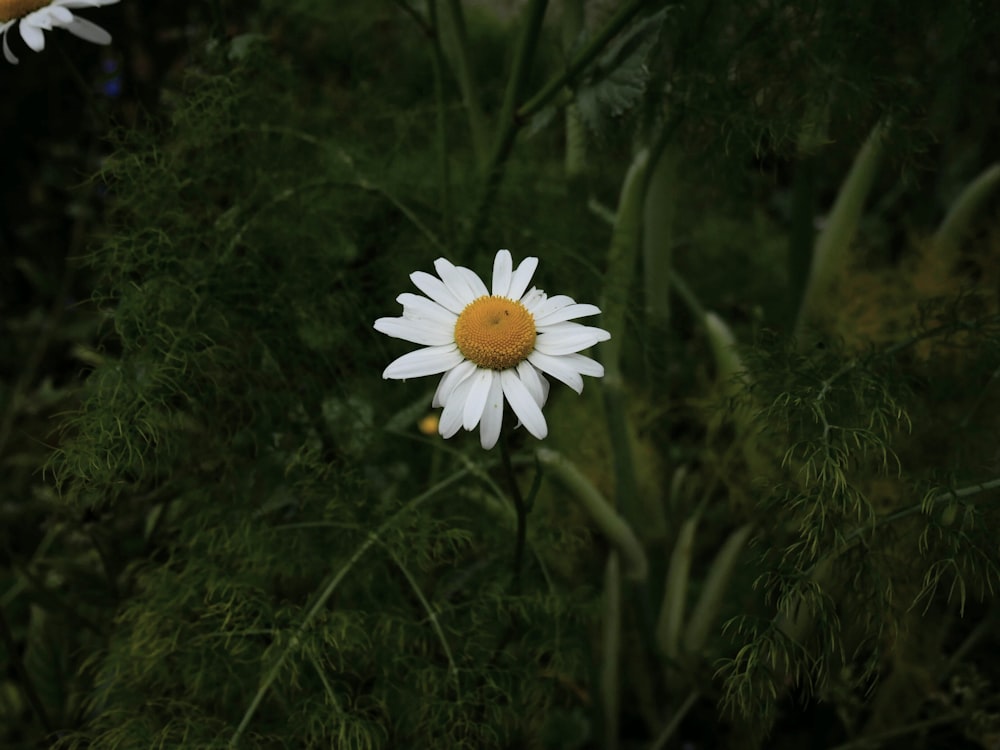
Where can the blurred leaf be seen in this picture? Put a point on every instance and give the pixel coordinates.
(618, 79)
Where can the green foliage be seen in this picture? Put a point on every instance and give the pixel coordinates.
(228, 434)
(241, 539)
(846, 516)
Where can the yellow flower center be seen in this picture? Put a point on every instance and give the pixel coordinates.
(495, 332)
(11, 9)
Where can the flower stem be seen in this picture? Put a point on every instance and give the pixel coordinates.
(509, 121)
(519, 507)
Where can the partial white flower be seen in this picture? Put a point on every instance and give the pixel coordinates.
(35, 17)
(491, 344)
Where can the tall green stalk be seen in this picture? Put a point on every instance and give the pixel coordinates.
(602, 512)
(963, 209)
(611, 646)
(657, 236)
(441, 125)
(459, 38)
(575, 162)
(622, 258)
(509, 123)
(801, 230)
(513, 118)
(832, 250)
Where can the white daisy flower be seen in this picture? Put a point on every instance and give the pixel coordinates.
(491, 344)
(35, 17)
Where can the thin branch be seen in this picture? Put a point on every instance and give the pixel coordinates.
(923, 507)
(587, 55)
(425, 27)
(876, 740)
(675, 721)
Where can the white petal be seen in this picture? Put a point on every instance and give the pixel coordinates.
(522, 277)
(429, 361)
(454, 280)
(532, 381)
(11, 58)
(489, 429)
(566, 313)
(523, 404)
(567, 342)
(450, 381)
(558, 368)
(550, 305)
(451, 417)
(476, 401)
(568, 328)
(475, 283)
(502, 269)
(435, 289)
(533, 299)
(425, 332)
(416, 307)
(33, 36)
(88, 31)
(83, 3)
(584, 365)
(58, 14)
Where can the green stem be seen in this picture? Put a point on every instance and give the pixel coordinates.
(801, 231)
(610, 523)
(875, 740)
(467, 81)
(611, 642)
(425, 27)
(964, 209)
(519, 507)
(442, 128)
(660, 206)
(686, 293)
(575, 160)
(831, 253)
(510, 120)
(622, 259)
(675, 721)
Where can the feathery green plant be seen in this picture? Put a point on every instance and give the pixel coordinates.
(742, 533)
